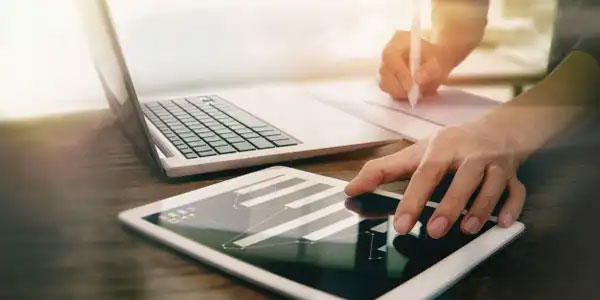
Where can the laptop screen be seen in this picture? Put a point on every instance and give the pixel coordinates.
(114, 76)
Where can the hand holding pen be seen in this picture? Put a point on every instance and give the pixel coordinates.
(395, 74)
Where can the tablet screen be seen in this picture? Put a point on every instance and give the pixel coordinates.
(310, 233)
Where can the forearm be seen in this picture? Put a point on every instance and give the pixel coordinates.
(458, 26)
(570, 94)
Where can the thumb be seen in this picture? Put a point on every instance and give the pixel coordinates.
(383, 170)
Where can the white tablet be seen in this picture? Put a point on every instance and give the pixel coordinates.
(296, 233)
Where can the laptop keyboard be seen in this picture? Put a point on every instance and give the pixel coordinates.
(208, 125)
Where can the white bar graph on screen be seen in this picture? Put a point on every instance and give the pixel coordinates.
(277, 194)
(264, 184)
(381, 228)
(295, 223)
(332, 229)
(314, 197)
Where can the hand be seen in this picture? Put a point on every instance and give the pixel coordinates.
(395, 78)
(477, 153)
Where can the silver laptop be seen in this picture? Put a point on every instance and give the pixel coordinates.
(233, 128)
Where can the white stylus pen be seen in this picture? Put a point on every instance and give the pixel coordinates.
(415, 52)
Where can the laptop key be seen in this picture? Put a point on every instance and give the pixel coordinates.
(225, 149)
(269, 132)
(228, 135)
(191, 123)
(196, 144)
(202, 148)
(250, 135)
(243, 146)
(216, 127)
(223, 131)
(277, 137)
(190, 155)
(231, 123)
(286, 142)
(261, 143)
(207, 153)
(207, 134)
(191, 139)
(242, 130)
(212, 138)
(235, 139)
(261, 128)
(186, 150)
(218, 143)
(201, 131)
(186, 134)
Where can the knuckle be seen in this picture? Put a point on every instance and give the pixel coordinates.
(448, 133)
(430, 172)
(453, 200)
(475, 163)
(370, 165)
(485, 203)
(496, 170)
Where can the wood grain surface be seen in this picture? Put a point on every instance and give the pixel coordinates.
(65, 178)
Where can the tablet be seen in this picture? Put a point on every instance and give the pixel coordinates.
(298, 234)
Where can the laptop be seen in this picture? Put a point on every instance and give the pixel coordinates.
(235, 128)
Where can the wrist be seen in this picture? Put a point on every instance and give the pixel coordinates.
(452, 53)
(456, 43)
(507, 133)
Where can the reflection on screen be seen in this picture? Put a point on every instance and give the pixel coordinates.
(310, 233)
(113, 74)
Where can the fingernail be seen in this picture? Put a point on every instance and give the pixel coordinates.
(507, 220)
(438, 227)
(472, 225)
(403, 224)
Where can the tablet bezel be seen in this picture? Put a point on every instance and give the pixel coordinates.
(428, 283)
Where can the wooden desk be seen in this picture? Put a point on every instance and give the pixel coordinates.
(64, 179)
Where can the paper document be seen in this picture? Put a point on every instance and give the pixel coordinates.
(449, 107)
(362, 98)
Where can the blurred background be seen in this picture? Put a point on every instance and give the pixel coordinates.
(45, 67)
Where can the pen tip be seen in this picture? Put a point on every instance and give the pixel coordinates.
(413, 97)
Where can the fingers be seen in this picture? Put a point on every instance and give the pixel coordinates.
(465, 182)
(493, 186)
(514, 203)
(429, 76)
(389, 83)
(393, 64)
(433, 167)
(383, 170)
